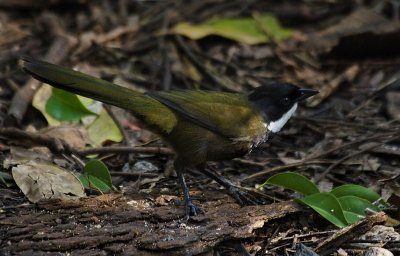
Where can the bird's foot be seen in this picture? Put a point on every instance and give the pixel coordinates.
(192, 210)
(243, 197)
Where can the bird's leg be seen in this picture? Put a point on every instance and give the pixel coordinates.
(190, 208)
(241, 197)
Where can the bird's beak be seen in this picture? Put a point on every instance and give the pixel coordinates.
(306, 93)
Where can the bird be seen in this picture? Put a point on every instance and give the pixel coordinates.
(199, 126)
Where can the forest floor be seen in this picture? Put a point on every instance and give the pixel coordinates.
(347, 134)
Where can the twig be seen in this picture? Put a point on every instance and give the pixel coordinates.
(126, 141)
(79, 161)
(124, 149)
(37, 4)
(319, 233)
(319, 178)
(118, 123)
(260, 194)
(54, 144)
(134, 175)
(392, 85)
(200, 67)
(166, 65)
(116, 33)
(13, 85)
(344, 235)
(284, 167)
(59, 146)
(349, 144)
(314, 159)
(372, 241)
(248, 162)
(343, 123)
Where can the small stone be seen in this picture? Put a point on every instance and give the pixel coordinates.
(376, 251)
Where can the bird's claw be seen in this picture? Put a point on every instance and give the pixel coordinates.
(243, 197)
(192, 210)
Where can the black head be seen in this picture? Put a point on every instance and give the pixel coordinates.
(275, 99)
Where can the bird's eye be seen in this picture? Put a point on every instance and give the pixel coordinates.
(285, 101)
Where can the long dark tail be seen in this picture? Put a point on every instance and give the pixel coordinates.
(82, 84)
(156, 115)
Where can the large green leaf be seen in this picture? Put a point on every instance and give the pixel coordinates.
(354, 208)
(356, 190)
(244, 30)
(328, 206)
(293, 181)
(352, 217)
(66, 106)
(103, 129)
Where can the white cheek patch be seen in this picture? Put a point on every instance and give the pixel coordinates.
(277, 125)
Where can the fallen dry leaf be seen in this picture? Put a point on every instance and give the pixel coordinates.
(44, 181)
(74, 135)
(20, 155)
(377, 251)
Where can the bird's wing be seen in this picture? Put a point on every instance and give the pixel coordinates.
(227, 114)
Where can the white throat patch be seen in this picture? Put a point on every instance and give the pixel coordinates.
(277, 125)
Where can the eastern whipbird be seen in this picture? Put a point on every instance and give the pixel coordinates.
(199, 126)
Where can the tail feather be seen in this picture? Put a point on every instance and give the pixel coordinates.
(80, 83)
(156, 115)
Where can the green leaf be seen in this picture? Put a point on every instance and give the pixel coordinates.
(66, 106)
(270, 24)
(90, 181)
(97, 169)
(39, 101)
(328, 206)
(352, 217)
(104, 129)
(356, 190)
(244, 30)
(293, 181)
(354, 208)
